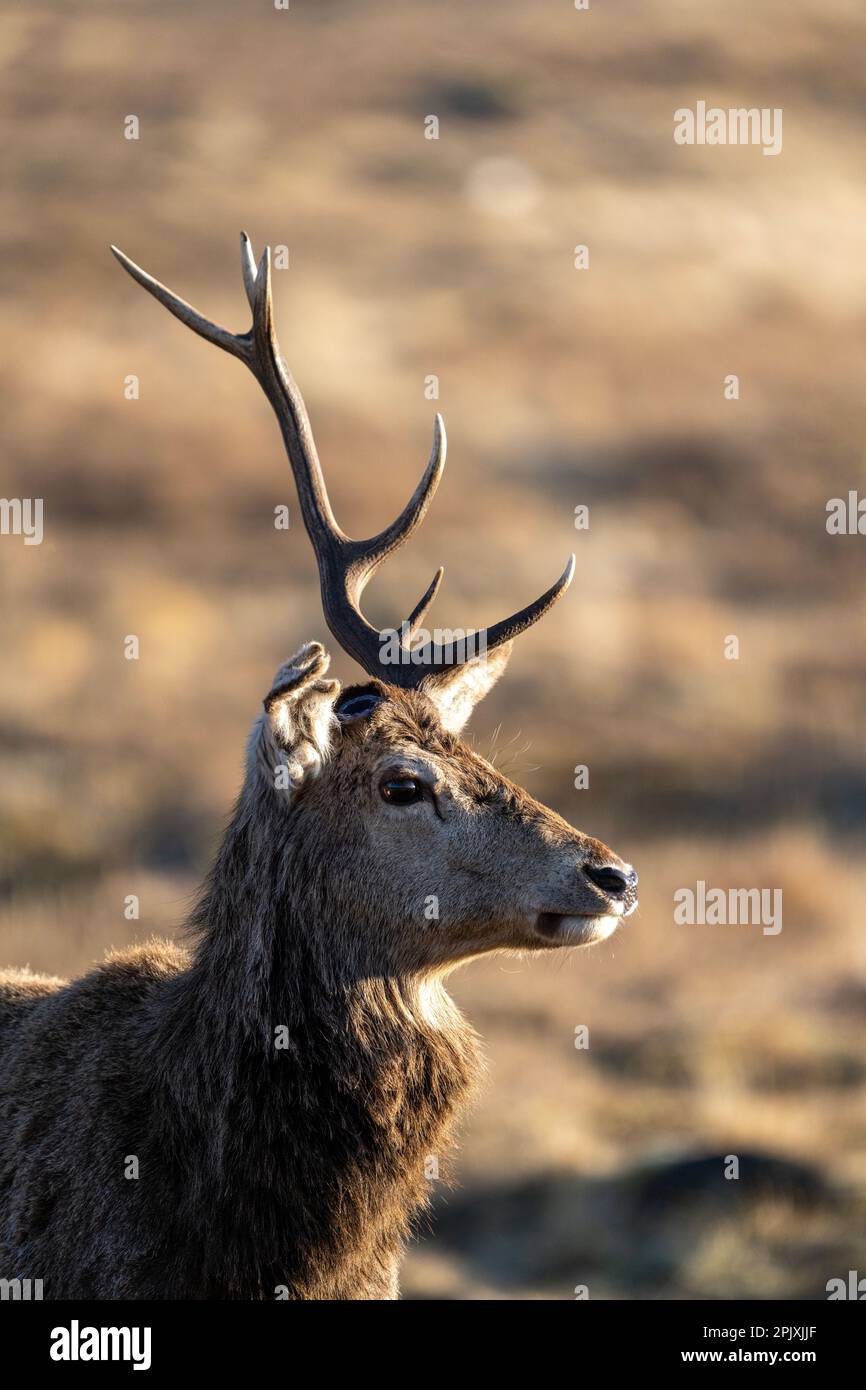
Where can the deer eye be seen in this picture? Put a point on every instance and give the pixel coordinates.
(401, 791)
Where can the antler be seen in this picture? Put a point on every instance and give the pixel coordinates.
(345, 565)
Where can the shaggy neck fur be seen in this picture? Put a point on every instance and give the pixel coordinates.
(304, 1095)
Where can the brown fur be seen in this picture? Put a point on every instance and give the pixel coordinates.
(265, 1169)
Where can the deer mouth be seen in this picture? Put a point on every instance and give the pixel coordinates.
(577, 928)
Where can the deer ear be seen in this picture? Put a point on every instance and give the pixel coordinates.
(295, 730)
(456, 690)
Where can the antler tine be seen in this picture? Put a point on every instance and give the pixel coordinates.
(234, 343)
(508, 628)
(248, 269)
(455, 653)
(372, 552)
(413, 622)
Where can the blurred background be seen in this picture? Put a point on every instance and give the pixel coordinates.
(411, 258)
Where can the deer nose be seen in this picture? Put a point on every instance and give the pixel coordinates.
(613, 882)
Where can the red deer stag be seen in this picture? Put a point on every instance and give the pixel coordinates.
(281, 1082)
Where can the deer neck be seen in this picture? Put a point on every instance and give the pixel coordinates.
(264, 1026)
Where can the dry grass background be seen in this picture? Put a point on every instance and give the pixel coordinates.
(411, 257)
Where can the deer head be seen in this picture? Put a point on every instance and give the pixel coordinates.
(398, 846)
